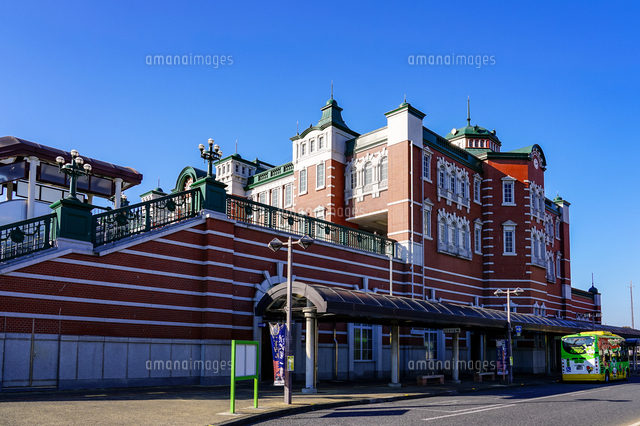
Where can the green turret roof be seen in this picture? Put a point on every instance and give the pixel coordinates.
(472, 131)
(331, 116)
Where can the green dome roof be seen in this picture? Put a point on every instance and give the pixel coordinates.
(474, 131)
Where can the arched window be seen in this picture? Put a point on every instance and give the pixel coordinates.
(368, 174)
(384, 169)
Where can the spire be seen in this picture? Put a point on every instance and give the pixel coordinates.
(331, 89)
(468, 113)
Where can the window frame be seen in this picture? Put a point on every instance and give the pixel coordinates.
(288, 194)
(320, 168)
(508, 183)
(302, 182)
(509, 228)
(358, 350)
(477, 238)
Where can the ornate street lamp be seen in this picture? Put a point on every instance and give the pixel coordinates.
(213, 154)
(74, 169)
(276, 245)
(518, 291)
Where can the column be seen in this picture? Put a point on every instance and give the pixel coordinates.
(395, 349)
(31, 194)
(455, 349)
(547, 358)
(310, 317)
(118, 195)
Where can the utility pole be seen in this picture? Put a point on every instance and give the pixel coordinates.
(631, 290)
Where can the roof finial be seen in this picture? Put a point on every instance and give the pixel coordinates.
(297, 132)
(331, 89)
(405, 98)
(468, 113)
(236, 146)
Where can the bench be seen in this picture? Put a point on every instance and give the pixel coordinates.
(422, 380)
(477, 377)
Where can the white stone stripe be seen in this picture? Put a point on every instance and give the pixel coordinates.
(119, 320)
(119, 303)
(195, 246)
(209, 231)
(141, 270)
(127, 286)
(176, 259)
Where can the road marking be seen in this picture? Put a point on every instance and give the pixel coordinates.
(475, 410)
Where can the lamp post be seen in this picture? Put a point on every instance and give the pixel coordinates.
(499, 292)
(74, 169)
(213, 154)
(276, 245)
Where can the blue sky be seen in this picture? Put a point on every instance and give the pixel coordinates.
(73, 75)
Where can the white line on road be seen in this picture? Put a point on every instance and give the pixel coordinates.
(511, 404)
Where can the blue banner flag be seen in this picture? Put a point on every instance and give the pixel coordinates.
(278, 336)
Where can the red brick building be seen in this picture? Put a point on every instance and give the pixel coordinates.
(153, 292)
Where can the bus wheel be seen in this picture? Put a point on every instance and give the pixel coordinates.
(606, 377)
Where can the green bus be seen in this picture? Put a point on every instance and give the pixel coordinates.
(594, 355)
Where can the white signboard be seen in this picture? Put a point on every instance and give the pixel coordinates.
(245, 361)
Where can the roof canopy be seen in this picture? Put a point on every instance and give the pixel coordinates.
(336, 304)
(11, 147)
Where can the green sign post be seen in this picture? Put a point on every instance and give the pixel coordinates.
(244, 358)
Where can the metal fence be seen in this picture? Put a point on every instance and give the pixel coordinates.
(28, 236)
(271, 217)
(114, 225)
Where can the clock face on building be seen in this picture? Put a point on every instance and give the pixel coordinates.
(535, 163)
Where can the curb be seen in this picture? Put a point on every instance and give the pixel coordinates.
(276, 413)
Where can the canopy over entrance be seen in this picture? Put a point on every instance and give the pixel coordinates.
(337, 304)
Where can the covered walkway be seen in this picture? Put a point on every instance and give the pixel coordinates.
(320, 303)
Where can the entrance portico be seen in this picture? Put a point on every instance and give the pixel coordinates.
(337, 304)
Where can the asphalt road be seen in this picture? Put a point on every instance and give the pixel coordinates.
(563, 404)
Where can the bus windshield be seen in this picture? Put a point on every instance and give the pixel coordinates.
(577, 345)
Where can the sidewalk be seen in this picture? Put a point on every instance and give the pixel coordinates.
(332, 394)
(209, 405)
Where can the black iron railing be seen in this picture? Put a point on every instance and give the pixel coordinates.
(271, 217)
(28, 236)
(114, 225)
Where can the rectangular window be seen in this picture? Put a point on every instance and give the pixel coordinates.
(312, 145)
(476, 190)
(303, 181)
(452, 184)
(320, 142)
(477, 239)
(320, 176)
(263, 198)
(362, 342)
(558, 228)
(507, 192)
(431, 342)
(287, 195)
(426, 167)
(303, 149)
(427, 222)
(354, 179)
(442, 229)
(441, 178)
(275, 195)
(509, 240)
(463, 189)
